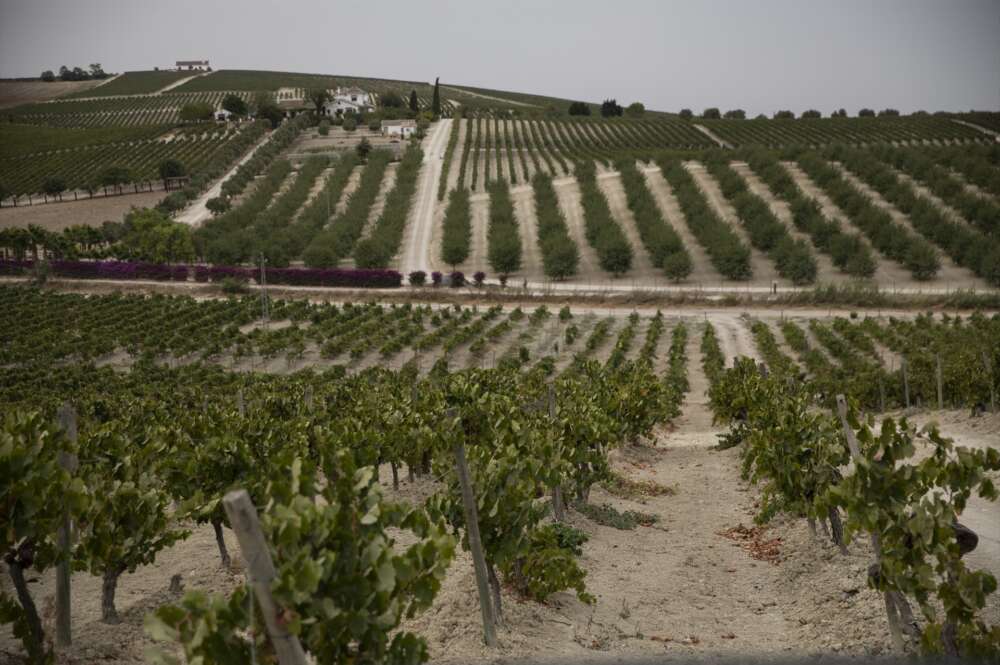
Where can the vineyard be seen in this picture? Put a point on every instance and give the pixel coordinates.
(126, 111)
(133, 83)
(176, 401)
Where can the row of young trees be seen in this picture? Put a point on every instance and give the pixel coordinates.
(725, 249)
(848, 251)
(503, 235)
(965, 244)
(666, 249)
(560, 255)
(456, 228)
(602, 231)
(386, 236)
(889, 237)
(792, 258)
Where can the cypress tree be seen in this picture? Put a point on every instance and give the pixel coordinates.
(413, 101)
(436, 100)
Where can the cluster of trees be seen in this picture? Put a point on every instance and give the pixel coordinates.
(457, 228)
(792, 258)
(144, 234)
(609, 109)
(848, 251)
(890, 238)
(713, 113)
(93, 72)
(602, 231)
(386, 237)
(560, 255)
(666, 249)
(725, 249)
(503, 234)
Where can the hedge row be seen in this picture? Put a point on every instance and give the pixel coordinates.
(665, 247)
(725, 249)
(466, 146)
(560, 255)
(456, 228)
(121, 270)
(449, 154)
(967, 246)
(224, 240)
(386, 237)
(848, 251)
(476, 152)
(503, 234)
(792, 258)
(892, 239)
(603, 233)
(337, 241)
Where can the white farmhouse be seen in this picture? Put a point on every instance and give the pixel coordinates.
(348, 100)
(402, 128)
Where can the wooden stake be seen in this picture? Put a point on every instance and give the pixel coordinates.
(64, 634)
(940, 392)
(475, 544)
(260, 571)
(852, 444)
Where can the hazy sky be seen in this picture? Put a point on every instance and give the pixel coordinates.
(760, 55)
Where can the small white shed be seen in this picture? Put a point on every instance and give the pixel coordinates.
(402, 128)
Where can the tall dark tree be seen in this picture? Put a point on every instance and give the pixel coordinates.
(610, 108)
(436, 100)
(391, 100)
(414, 104)
(711, 113)
(234, 104)
(48, 75)
(687, 114)
(735, 114)
(319, 97)
(784, 115)
(579, 108)
(812, 113)
(866, 113)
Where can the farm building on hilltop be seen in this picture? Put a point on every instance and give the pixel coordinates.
(403, 128)
(193, 65)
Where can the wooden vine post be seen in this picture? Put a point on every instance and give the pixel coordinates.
(895, 603)
(66, 416)
(260, 571)
(475, 543)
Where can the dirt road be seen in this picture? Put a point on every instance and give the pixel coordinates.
(196, 213)
(417, 246)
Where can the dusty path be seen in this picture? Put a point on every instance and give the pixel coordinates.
(462, 91)
(479, 246)
(712, 135)
(417, 237)
(178, 83)
(196, 213)
(523, 198)
(763, 268)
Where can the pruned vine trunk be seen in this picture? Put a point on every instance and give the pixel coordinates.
(35, 639)
(395, 475)
(495, 592)
(221, 541)
(837, 527)
(108, 587)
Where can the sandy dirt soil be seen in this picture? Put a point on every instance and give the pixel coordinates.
(416, 252)
(763, 268)
(523, 198)
(14, 93)
(950, 273)
(826, 272)
(92, 212)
